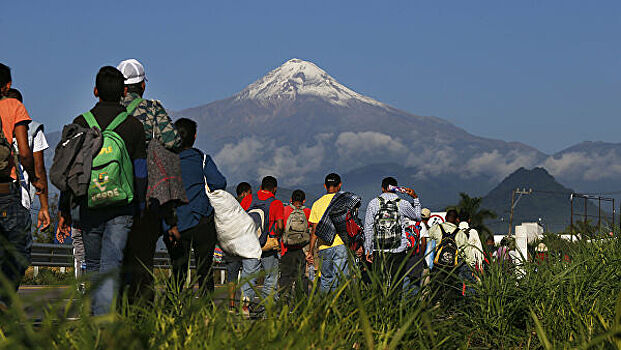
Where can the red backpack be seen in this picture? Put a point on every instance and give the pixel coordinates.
(412, 233)
(354, 230)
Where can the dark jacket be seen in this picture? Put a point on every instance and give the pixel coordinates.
(196, 169)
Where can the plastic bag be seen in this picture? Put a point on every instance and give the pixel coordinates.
(236, 231)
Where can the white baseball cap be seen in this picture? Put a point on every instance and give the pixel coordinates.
(132, 70)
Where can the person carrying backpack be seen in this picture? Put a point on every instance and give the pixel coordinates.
(117, 189)
(38, 144)
(385, 242)
(333, 255)
(195, 225)
(295, 236)
(268, 214)
(452, 260)
(417, 234)
(146, 230)
(15, 223)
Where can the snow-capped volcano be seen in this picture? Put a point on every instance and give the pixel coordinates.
(297, 77)
(298, 123)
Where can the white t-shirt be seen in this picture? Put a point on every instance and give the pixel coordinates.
(37, 143)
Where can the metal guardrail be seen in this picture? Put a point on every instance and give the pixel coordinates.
(61, 255)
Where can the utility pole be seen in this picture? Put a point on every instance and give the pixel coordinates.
(571, 215)
(514, 202)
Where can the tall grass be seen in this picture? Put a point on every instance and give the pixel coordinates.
(556, 304)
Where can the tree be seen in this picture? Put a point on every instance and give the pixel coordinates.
(478, 215)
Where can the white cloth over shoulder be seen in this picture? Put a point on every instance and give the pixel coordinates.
(236, 231)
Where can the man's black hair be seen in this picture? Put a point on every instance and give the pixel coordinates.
(389, 181)
(135, 88)
(110, 84)
(243, 187)
(269, 183)
(332, 180)
(5, 74)
(451, 215)
(464, 215)
(187, 132)
(14, 93)
(298, 196)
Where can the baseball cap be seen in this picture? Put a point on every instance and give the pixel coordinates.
(132, 70)
(425, 213)
(332, 180)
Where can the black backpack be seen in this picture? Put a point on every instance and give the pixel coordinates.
(447, 252)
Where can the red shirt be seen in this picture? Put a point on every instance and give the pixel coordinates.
(246, 201)
(288, 211)
(277, 209)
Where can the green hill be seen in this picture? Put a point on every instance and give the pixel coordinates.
(549, 202)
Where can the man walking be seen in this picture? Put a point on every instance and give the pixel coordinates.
(296, 235)
(146, 229)
(333, 256)
(15, 235)
(195, 225)
(268, 213)
(385, 241)
(117, 190)
(417, 235)
(453, 256)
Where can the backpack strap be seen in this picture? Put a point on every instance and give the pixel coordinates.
(442, 230)
(90, 120)
(117, 121)
(132, 106)
(467, 232)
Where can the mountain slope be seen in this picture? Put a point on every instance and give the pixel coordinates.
(548, 202)
(299, 123)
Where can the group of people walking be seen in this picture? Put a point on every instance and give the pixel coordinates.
(128, 175)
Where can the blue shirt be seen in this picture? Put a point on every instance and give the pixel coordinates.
(194, 175)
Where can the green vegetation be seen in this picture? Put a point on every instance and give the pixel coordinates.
(478, 215)
(570, 300)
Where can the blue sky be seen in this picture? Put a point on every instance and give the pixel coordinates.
(546, 73)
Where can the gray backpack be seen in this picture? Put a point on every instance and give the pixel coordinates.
(387, 225)
(6, 152)
(296, 229)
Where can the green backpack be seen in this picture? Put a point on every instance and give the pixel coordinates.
(112, 173)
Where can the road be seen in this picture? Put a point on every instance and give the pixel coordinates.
(37, 299)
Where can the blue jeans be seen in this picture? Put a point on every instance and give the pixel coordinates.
(15, 239)
(333, 266)
(104, 241)
(252, 267)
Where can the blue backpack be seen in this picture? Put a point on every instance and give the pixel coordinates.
(259, 211)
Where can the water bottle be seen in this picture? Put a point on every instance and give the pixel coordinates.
(83, 268)
(397, 189)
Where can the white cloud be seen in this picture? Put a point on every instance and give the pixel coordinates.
(583, 166)
(500, 165)
(353, 144)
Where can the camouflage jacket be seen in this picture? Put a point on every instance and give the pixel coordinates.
(156, 122)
